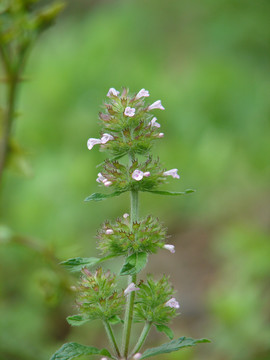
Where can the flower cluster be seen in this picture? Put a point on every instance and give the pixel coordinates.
(147, 235)
(128, 126)
(97, 296)
(154, 302)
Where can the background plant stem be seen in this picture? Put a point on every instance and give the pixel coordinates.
(112, 338)
(142, 338)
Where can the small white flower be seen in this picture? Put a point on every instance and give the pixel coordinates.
(129, 111)
(156, 105)
(142, 93)
(113, 92)
(126, 215)
(154, 122)
(146, 174)
(161, 135)
(137, 356)
(173, 303)
(169, 247)
(137, 175)
(109, 231)
(101, 179)
(107, 183)
(105, 138)
(92, 141)
(131, 287)
(103, 358)
(173, 173)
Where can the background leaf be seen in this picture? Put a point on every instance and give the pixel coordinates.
(76, 264)
(172, 193)
(100, 196)
(76, 320)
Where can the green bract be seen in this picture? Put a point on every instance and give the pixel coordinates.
(151, 302)
(147, 235)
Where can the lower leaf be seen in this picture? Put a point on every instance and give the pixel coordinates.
(134, 264)
(171, 346)
(73, 350)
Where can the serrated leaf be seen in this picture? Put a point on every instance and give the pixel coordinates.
(134, 264)
(166, 330)
(76, 320)
(73, 350)
(100, 196)
(171, 346)
(76, 264)
(171, 193)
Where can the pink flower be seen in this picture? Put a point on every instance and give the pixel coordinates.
(109, 231)
(142, 93)
(161, 135)
(126, 215)
(131, 287)
(129, 111)
(154, 122)
(156, 105)
(105, 138)
(137, 175)
(107, 183)
(103, 358)
(172, 303)
(137, 356)
(173, 173)
(146, 174)
(92, 141)
(169, 247)
(101, 179)
(112, 92)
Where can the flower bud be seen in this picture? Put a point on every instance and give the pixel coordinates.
(142, 93)
(172, 303)
(137, 175)
(154, 123)
(156, 105)
(161, 135)
(169, 247)
(126, 215)
(109, 231)
(173, 173)
(112, 92)
(131, 287)
(137, 356)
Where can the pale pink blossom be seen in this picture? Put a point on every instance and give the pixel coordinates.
(146, 174)
(173, 173)
(100, 179)
(105, 138)
(131, 287)
(137, 175)
(154, 122)
(126, 215)
(129, 111)
(161, 135)
(107, 183)
(137, 356)
(156, 105)
(103, 358)
(109, 231)
(142, 93)
(173, 303)
(169, 247)
(112, 92)
(92, 141)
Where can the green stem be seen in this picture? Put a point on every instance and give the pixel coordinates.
(131, 296)
(112, 338)
(142, 338)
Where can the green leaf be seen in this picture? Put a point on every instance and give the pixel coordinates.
(171, 346)
(73, 350)
(76, 320)
(100, 196)
(172, 193)
(76, 264)
(166, 330)
(134, 264)
(115, 320)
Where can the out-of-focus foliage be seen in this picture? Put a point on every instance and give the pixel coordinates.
(209, 64)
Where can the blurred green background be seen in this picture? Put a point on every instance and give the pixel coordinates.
(209, 63)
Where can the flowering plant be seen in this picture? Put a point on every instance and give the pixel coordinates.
(129, 129)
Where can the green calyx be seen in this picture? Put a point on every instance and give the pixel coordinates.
(147, 235)
(151, 302)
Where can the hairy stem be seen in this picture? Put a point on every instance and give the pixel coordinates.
(142, 338)
(112, 338)
(131, 296)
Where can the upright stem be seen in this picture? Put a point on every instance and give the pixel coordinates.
(130, 296)
(112, 338)
(142, 338)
